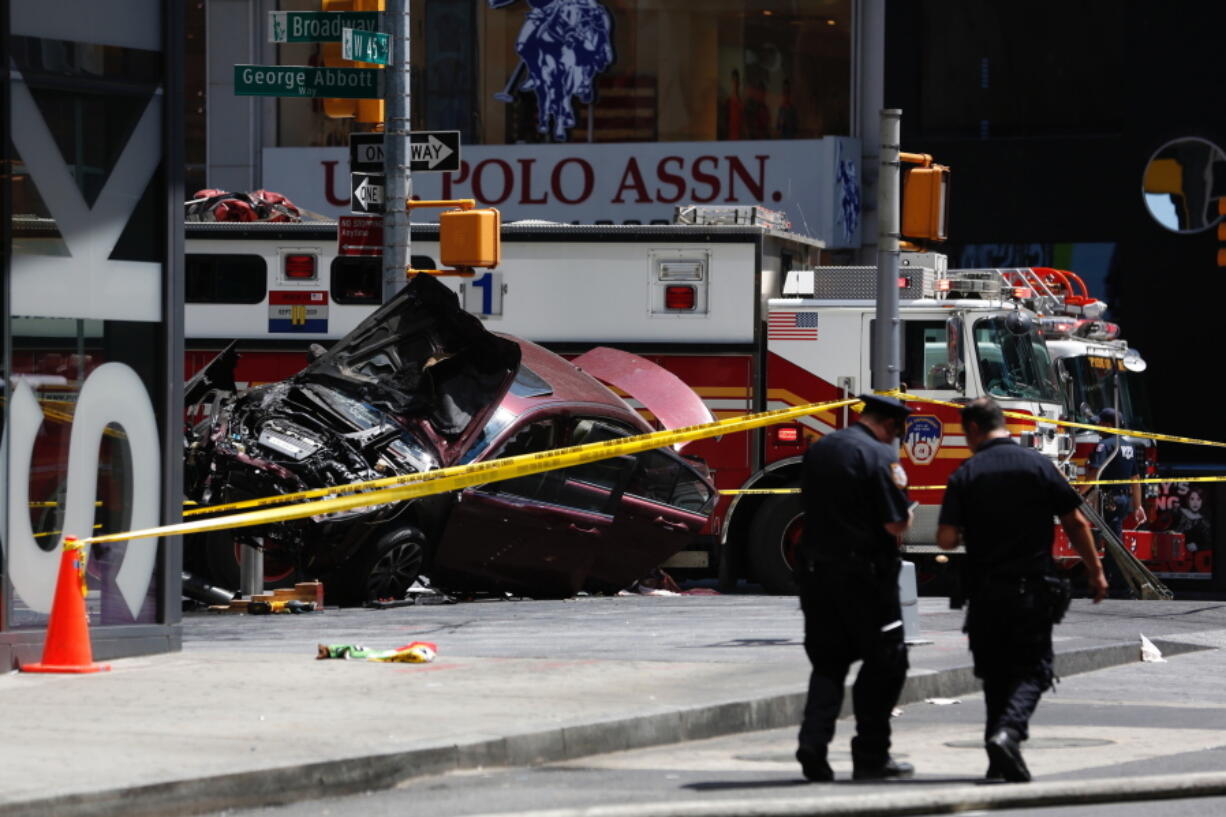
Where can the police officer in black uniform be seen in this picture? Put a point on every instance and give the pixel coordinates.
(853, 493)
(1117, 457)
(1000, 504)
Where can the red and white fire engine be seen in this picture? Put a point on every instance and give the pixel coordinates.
(1097, 370)
(742, 312)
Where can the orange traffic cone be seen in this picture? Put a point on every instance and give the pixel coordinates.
(67, 646)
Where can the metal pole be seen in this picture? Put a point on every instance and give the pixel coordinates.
(250, 571)
(396, 126)
(886, 337)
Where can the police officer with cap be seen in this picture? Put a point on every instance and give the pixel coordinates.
(853, 491)
(1000, 504)
(1117, 457)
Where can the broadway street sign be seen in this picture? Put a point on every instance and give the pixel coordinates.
(365, 46)
(306, 81)
(317, 26)
(437, 150)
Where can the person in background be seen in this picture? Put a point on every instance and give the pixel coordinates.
(1000, 504)
(1117, 457)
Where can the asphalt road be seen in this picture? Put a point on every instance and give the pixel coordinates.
(1129, 721)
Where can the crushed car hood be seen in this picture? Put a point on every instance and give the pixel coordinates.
(421, 355)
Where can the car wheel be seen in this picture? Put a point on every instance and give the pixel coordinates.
(386, 568)
(775, 541)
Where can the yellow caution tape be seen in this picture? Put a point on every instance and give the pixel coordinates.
(454, 478)
(1017, 415)
(726, 426)
(1075, 482)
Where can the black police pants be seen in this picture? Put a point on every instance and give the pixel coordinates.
(1122, 507)
(1009, 627)
(852, 614)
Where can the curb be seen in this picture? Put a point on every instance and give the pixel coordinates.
(332, 778)
(922, 800)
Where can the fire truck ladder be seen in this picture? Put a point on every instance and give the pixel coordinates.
(1054, 291)
(1143, 583)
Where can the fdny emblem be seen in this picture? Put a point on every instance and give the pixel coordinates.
(923, 438)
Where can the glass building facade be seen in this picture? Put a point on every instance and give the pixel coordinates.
(91, 307)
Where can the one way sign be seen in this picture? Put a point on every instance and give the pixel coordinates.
(437, 151)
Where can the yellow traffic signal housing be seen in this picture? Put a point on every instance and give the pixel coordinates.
(363, 110)
(470, 238)
(925, 203)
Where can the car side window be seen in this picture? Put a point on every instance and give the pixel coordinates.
(668, 481)
(532, 438)
(603, 476)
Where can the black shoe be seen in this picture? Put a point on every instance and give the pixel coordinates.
(813, 764)
(884, 771)
(1005, 753)
(993, 773)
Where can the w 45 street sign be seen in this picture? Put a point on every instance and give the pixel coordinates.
(365, 46)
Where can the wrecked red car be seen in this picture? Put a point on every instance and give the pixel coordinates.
(421, 385)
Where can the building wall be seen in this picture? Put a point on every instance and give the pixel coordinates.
(92, 316)
(1048, 114)
(775, 79)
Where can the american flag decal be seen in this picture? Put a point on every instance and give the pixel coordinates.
(791, 326)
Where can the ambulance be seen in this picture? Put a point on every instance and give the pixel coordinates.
(731, 301)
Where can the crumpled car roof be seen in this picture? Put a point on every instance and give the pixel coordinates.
(421, 355)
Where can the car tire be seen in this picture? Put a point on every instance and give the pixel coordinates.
(773, 539)
(385, 568)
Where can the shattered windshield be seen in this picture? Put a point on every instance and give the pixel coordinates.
(1093, 381)
(1014, 365)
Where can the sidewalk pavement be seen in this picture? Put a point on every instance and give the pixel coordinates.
(245, 715)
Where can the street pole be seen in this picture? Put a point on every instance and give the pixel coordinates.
(886, 329)
(396, 126)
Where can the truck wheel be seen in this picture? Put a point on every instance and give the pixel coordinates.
(384, 569)
(774, 542)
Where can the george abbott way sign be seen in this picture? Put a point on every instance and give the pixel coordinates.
(308, 81)
(816, 182)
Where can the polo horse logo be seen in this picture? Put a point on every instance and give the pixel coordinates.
(563, 45)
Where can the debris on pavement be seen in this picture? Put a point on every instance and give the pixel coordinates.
(417, 652)
(419, 593)
(1150, 652)
(303, 597)
(942, 701)
(257, 608)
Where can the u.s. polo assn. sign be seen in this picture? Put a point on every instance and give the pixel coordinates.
(814, 181)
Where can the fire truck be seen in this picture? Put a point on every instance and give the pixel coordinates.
(1097, 370)
(741, 310)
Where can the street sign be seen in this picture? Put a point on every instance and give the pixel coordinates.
(366, 152)
(366, 192)
(307, 81)
(317, 26)
(365, 46)
(437, 151)
(359, 235)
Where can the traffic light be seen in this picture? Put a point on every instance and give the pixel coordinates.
(925, 199)
(363, 110)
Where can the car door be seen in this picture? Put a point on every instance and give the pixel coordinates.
(536, 534)
(663, 507)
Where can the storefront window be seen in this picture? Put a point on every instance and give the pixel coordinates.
(87, 352)
(531, 71)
